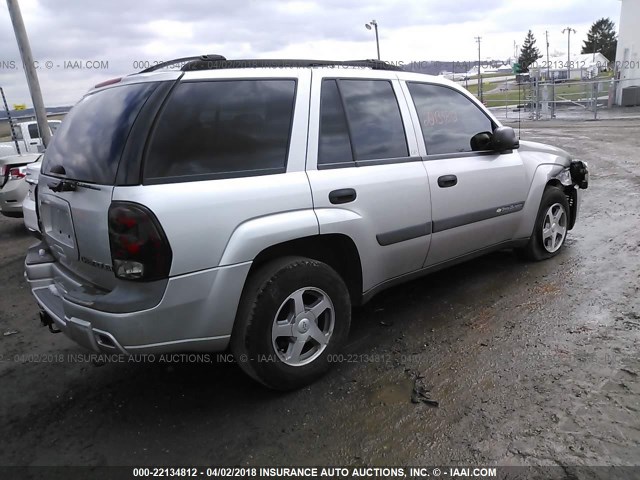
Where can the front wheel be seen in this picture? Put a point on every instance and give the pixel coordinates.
(551, 227)
(294, 313)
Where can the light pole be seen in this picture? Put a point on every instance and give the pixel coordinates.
(374, 24)
(596, 37)
(29, 70)
(479, 39)
(568, 30)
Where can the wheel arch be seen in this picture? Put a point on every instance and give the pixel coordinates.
(543, 177)
(336, 250)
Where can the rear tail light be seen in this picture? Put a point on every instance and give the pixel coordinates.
(139, 247)
(17, 173)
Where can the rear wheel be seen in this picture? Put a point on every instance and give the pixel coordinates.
(551, 227)
(294, 313)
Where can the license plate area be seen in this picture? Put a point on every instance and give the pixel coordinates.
(55, 215)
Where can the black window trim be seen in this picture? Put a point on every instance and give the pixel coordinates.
(130, 170)
(372, 162)
(220, 175)
(443, 156)
(350, 163)
(355, 162)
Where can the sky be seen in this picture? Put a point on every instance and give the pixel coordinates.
(77, 43)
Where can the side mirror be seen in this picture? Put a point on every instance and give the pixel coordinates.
(504, 139)
(481, 141)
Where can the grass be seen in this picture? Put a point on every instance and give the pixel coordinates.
(493, 75)
(563, 91)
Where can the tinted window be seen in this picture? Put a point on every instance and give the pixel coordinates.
(223, 128)
(334, 145)
(448, 119)
(89, 143)
(34, 132)
(374, 119)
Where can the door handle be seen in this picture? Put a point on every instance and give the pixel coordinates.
(344, 195)
(447, 181)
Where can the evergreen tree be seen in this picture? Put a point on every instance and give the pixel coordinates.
(529, 52)
(602, 38)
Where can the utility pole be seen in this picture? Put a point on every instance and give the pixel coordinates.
(553, 86)
(29, 70)
(375, 26)
(548, 67)
(479, 40)
(568, 30)
(13, 132)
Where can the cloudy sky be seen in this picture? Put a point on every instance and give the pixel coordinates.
(127, 33)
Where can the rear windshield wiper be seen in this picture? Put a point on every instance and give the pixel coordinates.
(63, 186)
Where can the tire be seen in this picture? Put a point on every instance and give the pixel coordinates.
(548, 236)
(277, 337)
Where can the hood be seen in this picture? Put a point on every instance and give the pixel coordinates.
(527, 146)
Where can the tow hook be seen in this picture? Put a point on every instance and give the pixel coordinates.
(47, 321)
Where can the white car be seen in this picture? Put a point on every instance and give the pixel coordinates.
(29, 203)
(13, 188)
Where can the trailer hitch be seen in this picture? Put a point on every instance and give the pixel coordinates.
(47, 321)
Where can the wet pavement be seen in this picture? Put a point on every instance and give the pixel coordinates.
(530, 363)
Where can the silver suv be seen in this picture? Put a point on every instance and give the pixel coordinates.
(249, 204)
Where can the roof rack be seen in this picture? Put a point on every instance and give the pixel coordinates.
(185, 60)
(200, 63)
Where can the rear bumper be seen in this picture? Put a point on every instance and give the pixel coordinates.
(11, 197)
(195, 312)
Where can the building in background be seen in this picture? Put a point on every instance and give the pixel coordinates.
(627, 65)
(584, 66)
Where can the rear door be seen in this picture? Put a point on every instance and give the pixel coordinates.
(78, 173)
(366, 176)
(477, 195)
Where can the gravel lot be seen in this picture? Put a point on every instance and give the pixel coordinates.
(531, 363)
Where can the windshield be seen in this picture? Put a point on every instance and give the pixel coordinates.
(88, 144)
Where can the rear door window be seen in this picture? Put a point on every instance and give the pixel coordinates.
(334, 145)
(89, 143)
(222, 129)
(377, 131)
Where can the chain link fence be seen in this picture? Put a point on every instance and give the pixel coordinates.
(541, 100)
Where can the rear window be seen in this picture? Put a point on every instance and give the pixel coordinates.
(222, 129)
(34, 132)
(89, 143)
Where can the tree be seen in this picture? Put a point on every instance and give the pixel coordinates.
(529, 52)
(602, 38)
